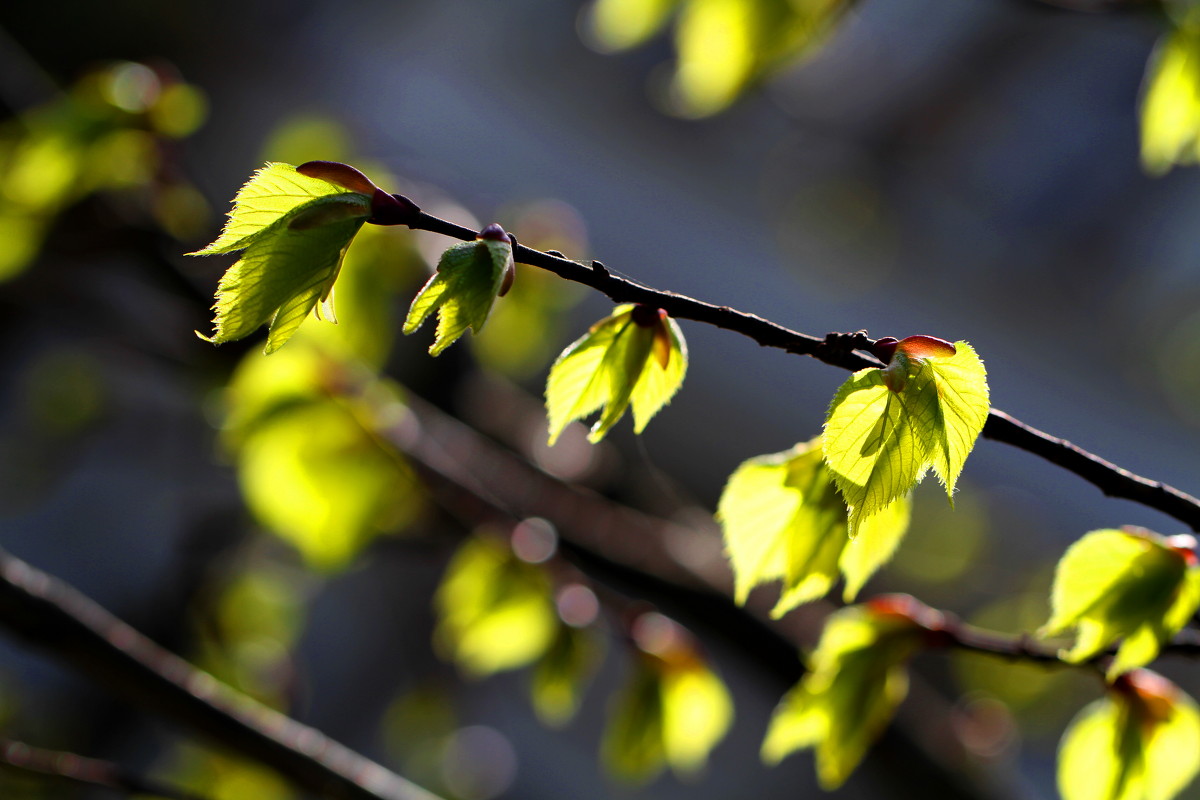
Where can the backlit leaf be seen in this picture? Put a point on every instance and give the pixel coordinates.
(495, 611)
(887, 427)
(316, 477)
(272, 193)
(1123, 584)
(295, 230)
(1141, 741)
(620, 24)
(856, 679)
(636, 356)
(1170, 113)
(783, 519)
(672, 713)
(462, 291)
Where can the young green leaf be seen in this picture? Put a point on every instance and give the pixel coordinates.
(1124, 584)
(887, 427)
(309, 470)
(469, 278)
(495, 611)
(1170, 113)
(856, 679)
(673, 711)
(1141, 741)
(295, 229)
(783, 518)
(635, 356)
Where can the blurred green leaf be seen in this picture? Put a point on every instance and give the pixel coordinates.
(495, 611)
(562, 672)
(783, 518)
(635, 356)
(887, 427)
(1170, 111)
(856, 679)
(621, 24)
(295, 230)
(313, 471)
(1123, 584)
(468, 279)
(672, 712)
(1141, 741)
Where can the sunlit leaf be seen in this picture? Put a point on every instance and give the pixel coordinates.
(1170, 113)
(887, 427)
(672, 712)
(1123, 584)
(783, 519)
(495, 611)
(468, 279)
(1141, 741)
(295, 230)
(621, 24)
(856, 679)
(314, 475)
(636, 356)
(272, 193)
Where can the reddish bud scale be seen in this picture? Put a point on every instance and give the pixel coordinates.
(1151, 696)
(909, 608)
(338, 174)
(926, 347)
(647, 316)
(1185, 545)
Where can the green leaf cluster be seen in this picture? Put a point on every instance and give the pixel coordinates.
(723, 46)
(462, 291)
(856, 679)
(635, 357)
(294, 230)
(886, 428)
(783, 518)
(1123, 584)
(1141, 741)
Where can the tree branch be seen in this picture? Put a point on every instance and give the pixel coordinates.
(842, 350)
(50, 614)
(87, 771)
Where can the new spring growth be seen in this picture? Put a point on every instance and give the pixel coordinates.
(899, 355)
(386, 209)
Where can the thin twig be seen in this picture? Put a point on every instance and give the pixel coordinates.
(88, 771)
(52, 615)
(844, 350)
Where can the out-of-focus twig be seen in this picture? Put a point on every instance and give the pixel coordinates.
(48, 613)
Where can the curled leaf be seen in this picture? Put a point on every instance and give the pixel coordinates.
(856, 679)
(632, 358)
(1141, 740)
(469, 277)
(1123, 584)
(295, 229)
(887, 427)
(783, 518)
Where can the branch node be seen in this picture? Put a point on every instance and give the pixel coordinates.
(599, 269)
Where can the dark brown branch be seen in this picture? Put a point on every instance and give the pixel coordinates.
(843, 350)
(87, 771)
(48, 613)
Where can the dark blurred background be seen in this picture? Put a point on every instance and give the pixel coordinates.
(967, 170)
